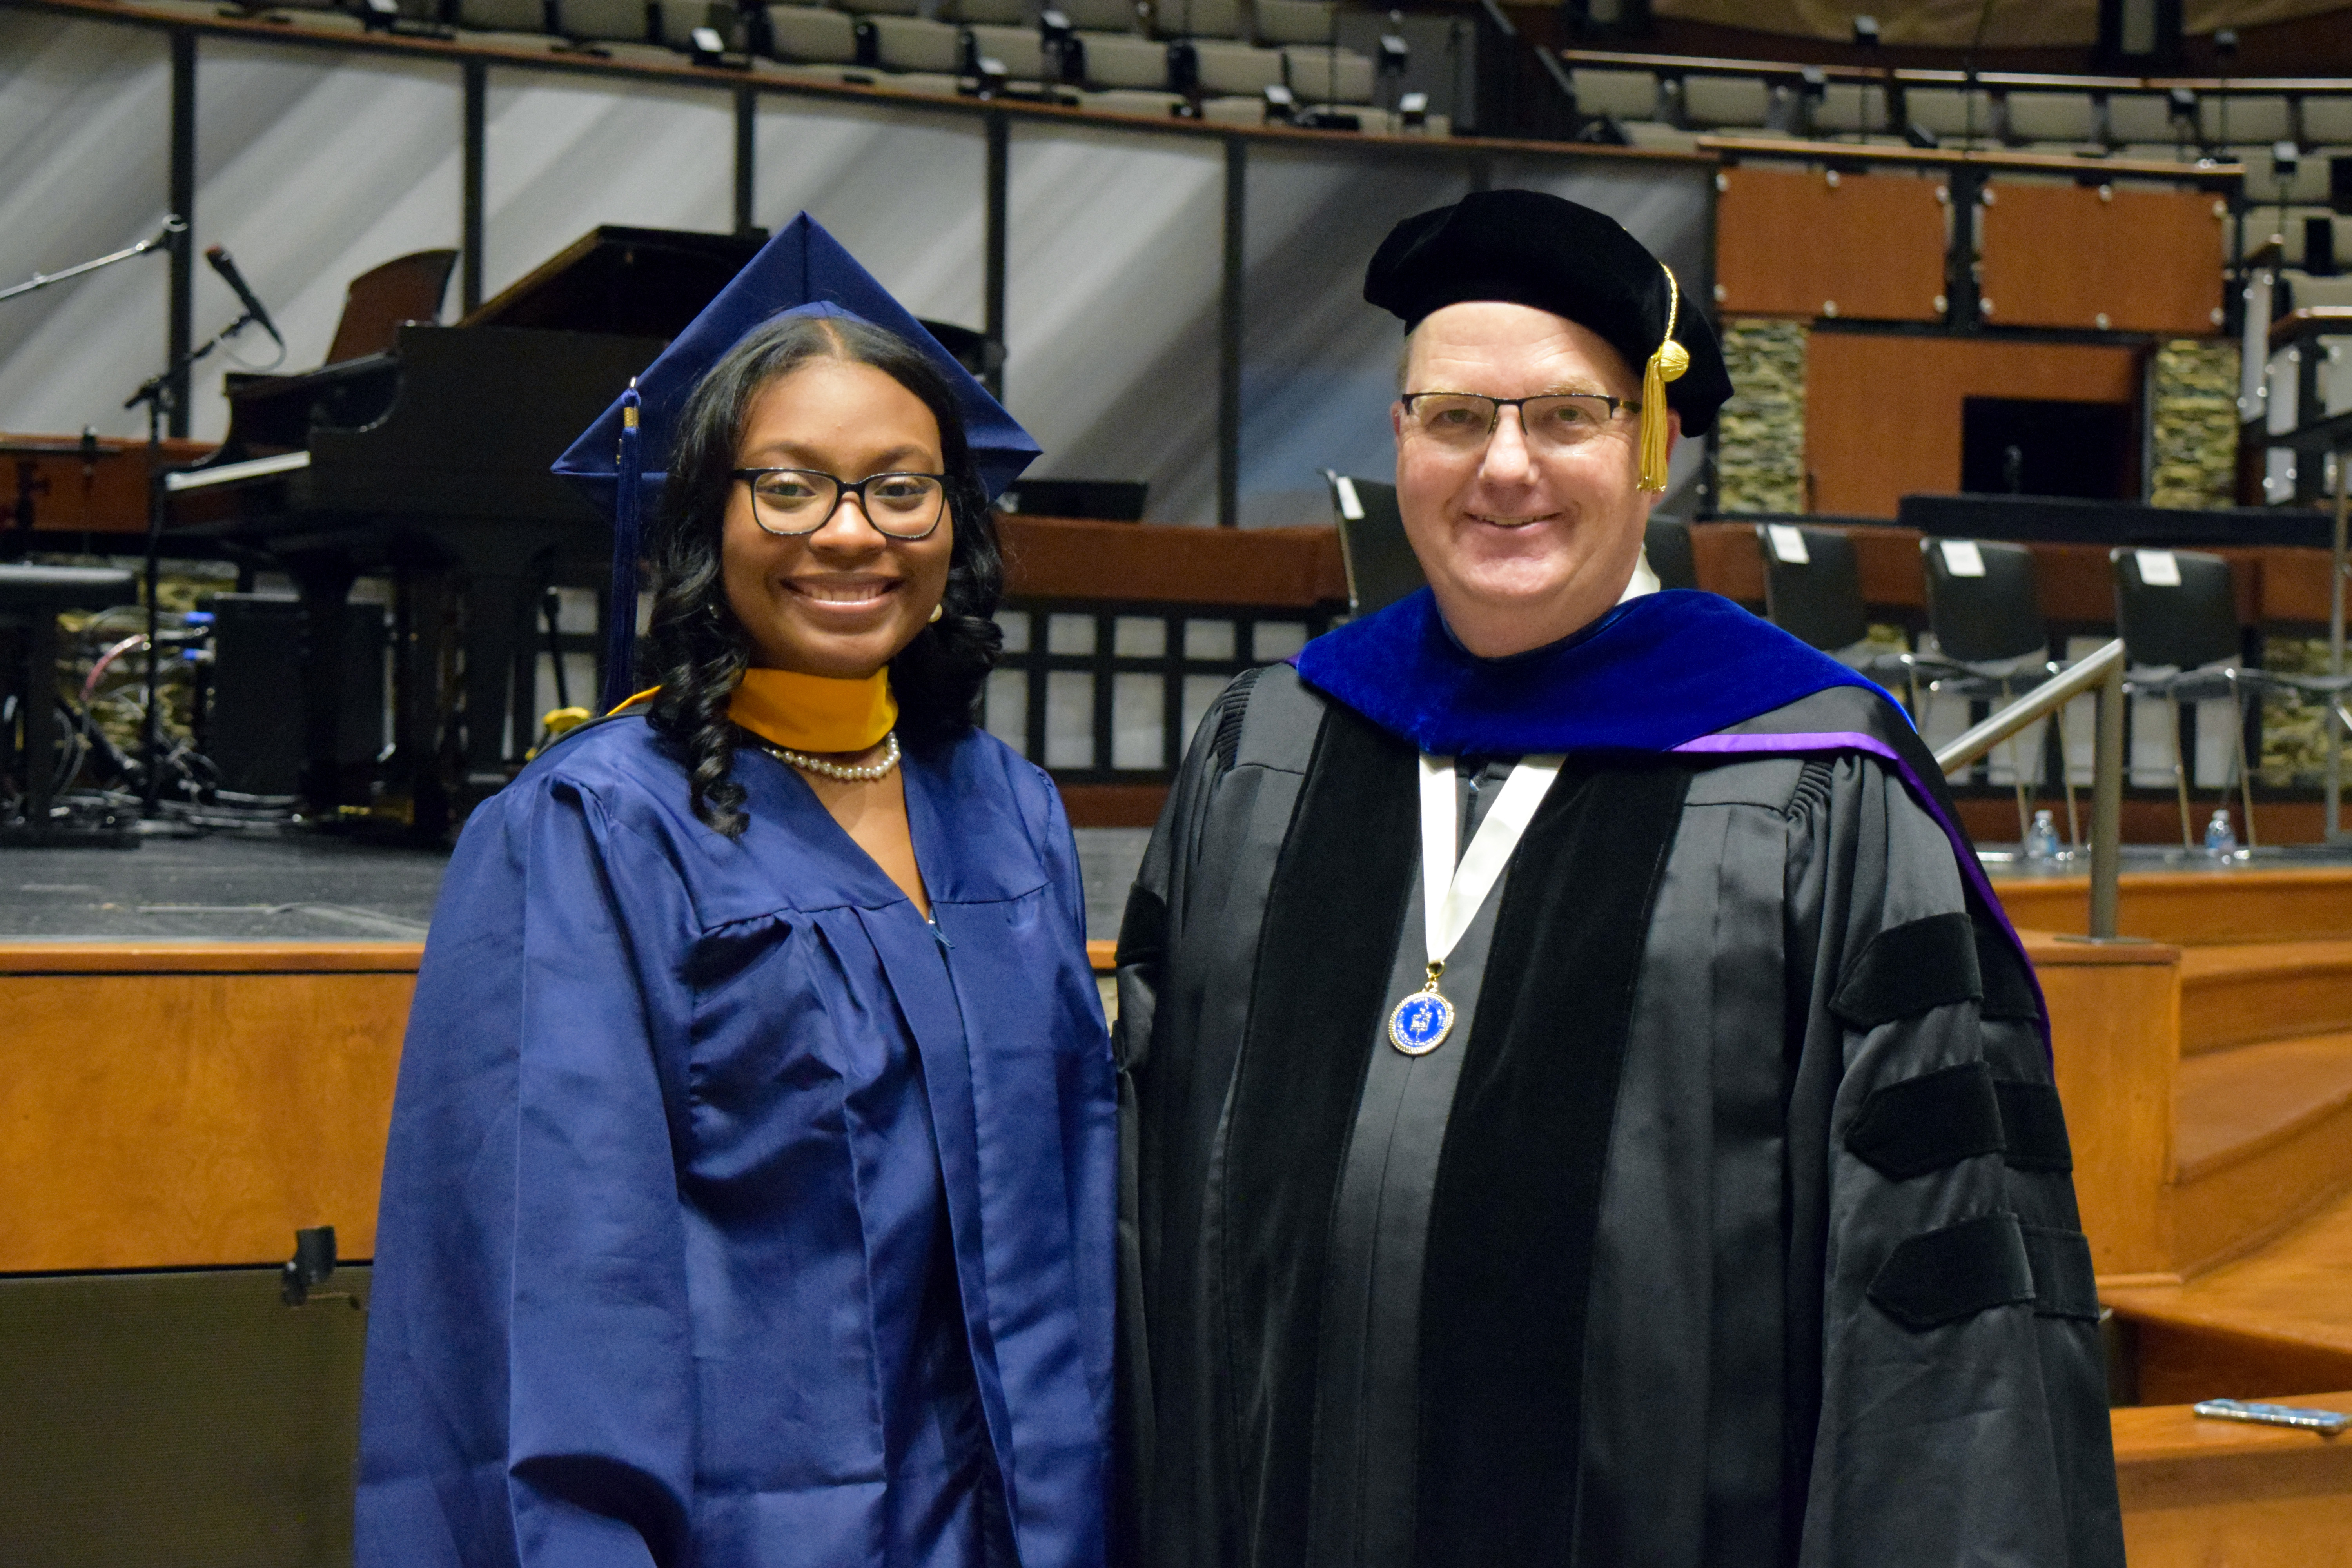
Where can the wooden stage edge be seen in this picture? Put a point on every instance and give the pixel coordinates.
(247, 1089)
(174, 1105)
(210, 957)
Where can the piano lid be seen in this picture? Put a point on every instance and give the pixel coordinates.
(636, 282)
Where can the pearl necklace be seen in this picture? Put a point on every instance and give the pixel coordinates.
(841, 771)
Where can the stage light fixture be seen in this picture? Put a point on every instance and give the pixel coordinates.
(1413, 111)
(1865, 32)
(1280, 104)
(1393, 55)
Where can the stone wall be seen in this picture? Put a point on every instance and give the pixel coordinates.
(2294, 731)
(1760, 454)
(2193, 421)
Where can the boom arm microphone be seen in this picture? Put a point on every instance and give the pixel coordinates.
(220, 262)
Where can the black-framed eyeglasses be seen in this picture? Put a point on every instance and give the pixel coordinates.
(793, 501)
(1464, 420)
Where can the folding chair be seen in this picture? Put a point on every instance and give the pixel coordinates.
(1813, 591)
(2178, 620)
(1666, 545)
(1990, 641)
(1381, 565)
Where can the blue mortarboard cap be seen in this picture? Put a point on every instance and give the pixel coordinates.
(802, 269)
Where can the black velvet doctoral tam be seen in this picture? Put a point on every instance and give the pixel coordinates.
(1527, 247)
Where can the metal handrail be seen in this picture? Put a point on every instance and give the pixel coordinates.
(2105, 670)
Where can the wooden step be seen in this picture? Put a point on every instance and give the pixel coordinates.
(2246, 993)
(2237, 904)
(2264, 1135)
(2275, 1323)
(2199, 1493)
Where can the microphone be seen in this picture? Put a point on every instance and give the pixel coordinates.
(220, 262)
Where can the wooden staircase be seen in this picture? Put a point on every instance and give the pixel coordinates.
(2264, 1094)
(2215, 1058)
(2207, 1081)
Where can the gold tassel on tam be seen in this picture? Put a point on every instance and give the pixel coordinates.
(1667, 362)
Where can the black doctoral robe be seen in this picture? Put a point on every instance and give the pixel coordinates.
(1735, 1228)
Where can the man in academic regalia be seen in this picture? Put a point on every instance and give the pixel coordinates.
(1582, 1102)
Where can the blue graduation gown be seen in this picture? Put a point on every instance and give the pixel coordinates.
(731, 1217)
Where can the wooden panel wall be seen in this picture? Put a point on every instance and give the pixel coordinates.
(2114, 1028)
(1818, 243)
(1883, 412)
(1054, 558)
(2098, 258)
(190, 1105)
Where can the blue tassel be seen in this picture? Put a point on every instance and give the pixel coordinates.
(621, 618)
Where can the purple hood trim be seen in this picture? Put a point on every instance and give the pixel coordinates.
(1814, 743)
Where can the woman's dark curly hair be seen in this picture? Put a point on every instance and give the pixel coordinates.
(696, 648)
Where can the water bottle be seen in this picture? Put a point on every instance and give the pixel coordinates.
(2041, 839)
(2220, 838)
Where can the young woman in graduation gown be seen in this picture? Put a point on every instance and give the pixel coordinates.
(752, 1179)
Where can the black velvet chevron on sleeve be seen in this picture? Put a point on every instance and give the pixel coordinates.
(1927, 1122)
(1909, 969)
(1945, 1275)
(2032, 1126)
(2007, 989)
(2065, 1283)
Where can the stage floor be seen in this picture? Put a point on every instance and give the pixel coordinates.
(309, 886)
(222, 887)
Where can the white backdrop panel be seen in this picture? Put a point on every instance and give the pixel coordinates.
(1318, 365)
(904, 192)
(1114, 254)
(85, 138)
(564, 154)
(313, 166)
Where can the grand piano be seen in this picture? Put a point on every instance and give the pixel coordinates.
(422, 452)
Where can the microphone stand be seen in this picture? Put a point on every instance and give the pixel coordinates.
(156, 395)
(166, 238)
